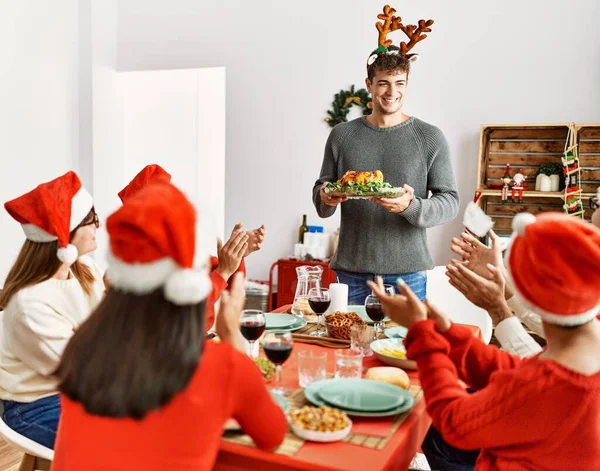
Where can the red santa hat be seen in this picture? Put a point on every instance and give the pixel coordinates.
(51, 211)
(153, 244)
(149, 174)
(554, 264)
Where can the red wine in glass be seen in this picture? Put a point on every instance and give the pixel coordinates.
(319, 305)
(277, 353)
(252, 329)
(375, 312)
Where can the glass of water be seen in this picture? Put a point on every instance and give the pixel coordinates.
(312, 366)
(361, 336)
(348, 364)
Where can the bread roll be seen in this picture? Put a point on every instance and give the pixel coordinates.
(390, 375)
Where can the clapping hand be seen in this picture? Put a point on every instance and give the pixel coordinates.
(255, 239)
(404, 309)
(230, 255)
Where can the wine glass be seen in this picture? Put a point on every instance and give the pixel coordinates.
(319, 301)
(252, 325)
(389, 289)
(375, 312)
(278, 345)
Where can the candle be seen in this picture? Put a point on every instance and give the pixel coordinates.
(339, 297)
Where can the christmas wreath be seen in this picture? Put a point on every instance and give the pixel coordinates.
(344, 100)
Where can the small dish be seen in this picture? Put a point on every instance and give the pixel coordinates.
(383, 350)
(323, 437)
(303, 421)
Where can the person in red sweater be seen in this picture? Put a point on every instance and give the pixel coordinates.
(141, 388)
(230, 256)
(539, 413)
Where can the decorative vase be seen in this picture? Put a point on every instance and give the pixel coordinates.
(545, 183)
(538, 182)
(554, 182)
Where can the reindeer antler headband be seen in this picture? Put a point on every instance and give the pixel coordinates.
(392, 23)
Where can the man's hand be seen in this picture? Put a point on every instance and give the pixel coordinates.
(487, 292)
(404, 309)
(230, 255)
(399, 204)
(228, 318)
(330, 200)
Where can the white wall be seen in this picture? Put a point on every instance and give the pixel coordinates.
(39, 106)
(106, 109)
(484, 62)
(165, 122)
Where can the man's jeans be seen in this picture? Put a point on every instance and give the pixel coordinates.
(358, 289)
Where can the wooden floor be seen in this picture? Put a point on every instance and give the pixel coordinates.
(10, 459)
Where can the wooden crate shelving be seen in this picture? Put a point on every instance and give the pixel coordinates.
(527, 147)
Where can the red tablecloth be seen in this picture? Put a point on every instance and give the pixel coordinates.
(396, 455)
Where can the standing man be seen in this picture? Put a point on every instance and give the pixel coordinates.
(387, 236)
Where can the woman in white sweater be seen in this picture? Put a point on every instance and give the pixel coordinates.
(50, 290)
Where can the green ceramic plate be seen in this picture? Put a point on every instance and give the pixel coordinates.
(361, 311)
(298, 324)
(279, 321)
(312, 394)
(362, 395)
(396, 332)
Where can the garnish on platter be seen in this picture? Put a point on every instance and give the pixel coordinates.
(355, 185)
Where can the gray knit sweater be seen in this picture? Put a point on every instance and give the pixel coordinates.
(373, 240)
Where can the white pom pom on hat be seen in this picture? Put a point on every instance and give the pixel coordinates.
(68, 254)
(521, 221)
(187, 287)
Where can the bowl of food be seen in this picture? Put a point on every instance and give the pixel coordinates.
(392, 352)
(320, 424)
(338, 324)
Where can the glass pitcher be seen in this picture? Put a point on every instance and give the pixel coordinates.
(308, 277)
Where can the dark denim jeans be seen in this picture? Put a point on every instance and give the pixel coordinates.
(37, 420)
(444, 457)
(358, 289)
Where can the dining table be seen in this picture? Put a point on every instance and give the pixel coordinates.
(383, 443)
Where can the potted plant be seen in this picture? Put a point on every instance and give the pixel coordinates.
(554, 170)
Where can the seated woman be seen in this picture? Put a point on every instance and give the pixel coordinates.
(141, 387)
(230, 256)
(538, 413)
(50, 290)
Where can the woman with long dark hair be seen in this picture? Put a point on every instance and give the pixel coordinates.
(49, 291)
(141, 387)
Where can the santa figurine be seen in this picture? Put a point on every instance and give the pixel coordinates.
(506, 180)
(518, 180)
